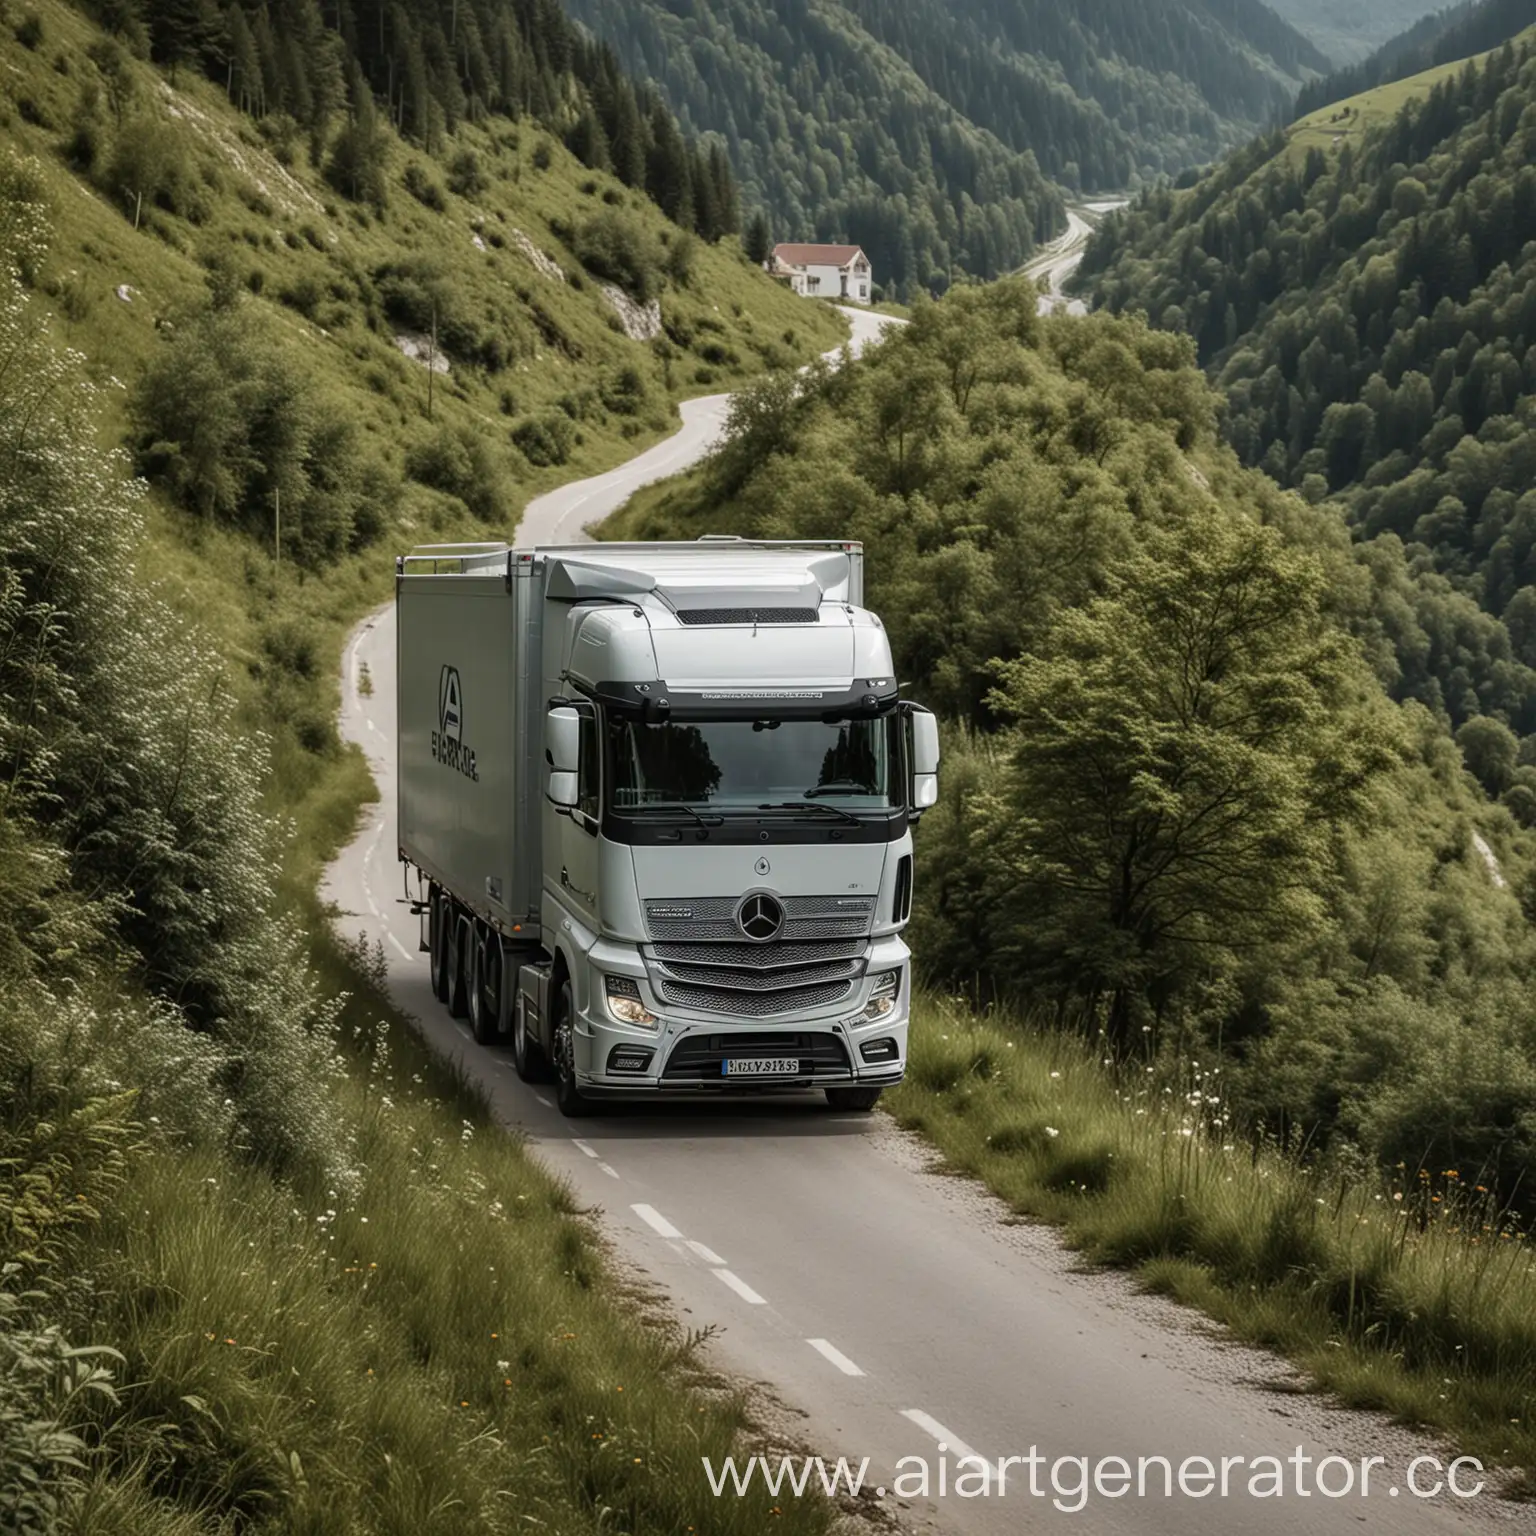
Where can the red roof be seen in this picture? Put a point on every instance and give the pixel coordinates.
(816, 255)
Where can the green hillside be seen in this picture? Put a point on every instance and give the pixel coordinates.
(229, 1174)
(921, 129)
(1365, 304)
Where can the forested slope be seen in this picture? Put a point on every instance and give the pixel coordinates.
(1368, 313)
(228, 1175)
(920, 130)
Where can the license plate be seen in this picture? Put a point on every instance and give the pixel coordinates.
(760, 1066)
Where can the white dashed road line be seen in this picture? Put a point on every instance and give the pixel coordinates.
(836, 1356)
(707, 1254)
(540, 1097)
(931, 1426)
(582, 1146)
(655, 1221)
(609, 1169)
(740, 1286)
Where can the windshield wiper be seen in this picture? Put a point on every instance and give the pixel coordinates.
(839, 787)
(673, 805)
(812, 805)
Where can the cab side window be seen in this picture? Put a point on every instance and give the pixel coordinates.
(588, 780)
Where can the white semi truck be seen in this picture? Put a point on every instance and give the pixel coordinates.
(657, 801)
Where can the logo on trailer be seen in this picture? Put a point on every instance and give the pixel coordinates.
(448, 739)
(450, 704)
(760, 917)
(762, 866)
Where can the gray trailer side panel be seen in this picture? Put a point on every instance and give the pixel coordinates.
(463, 672)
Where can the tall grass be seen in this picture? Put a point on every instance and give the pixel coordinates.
(444, 1349)
(1413, 1296)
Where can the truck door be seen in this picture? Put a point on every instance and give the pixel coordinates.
(578, 871)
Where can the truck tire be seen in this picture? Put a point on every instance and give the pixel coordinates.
(861, 1100)
(527, 1054)
(484, 1006)
(439, 917)
(459, 941)
(567, 1095)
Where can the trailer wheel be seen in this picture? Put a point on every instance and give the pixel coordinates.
(459, 941)
(861, 1100)
(527, 1053)
(567, 1095)
(484, 986)
(440, 915)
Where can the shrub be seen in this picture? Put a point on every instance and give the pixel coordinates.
(545, 440)
(625, 393)
(465, 177)
(226, 424)
(614, 246)
(118, 735)
(543, 155)
(421, 186)
(463, 463)
(29, 31)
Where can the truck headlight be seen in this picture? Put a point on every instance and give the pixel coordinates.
(882, 996)
(624, 1003)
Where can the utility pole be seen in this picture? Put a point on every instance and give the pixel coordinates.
(277, 527)
(431, 360)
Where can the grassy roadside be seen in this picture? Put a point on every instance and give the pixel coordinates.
(441, 1348)
(1419, 1301)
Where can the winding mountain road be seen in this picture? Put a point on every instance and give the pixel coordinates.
(890, 1308)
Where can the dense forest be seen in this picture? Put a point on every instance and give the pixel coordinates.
(427, 67)
(1443, 37)
(1368, 313)
(1178, 806)
(921, 130)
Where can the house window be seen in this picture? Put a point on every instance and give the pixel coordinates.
(863, 290)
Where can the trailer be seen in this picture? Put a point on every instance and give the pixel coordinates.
(657, 801)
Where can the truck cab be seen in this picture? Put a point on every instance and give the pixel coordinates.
(717, 865)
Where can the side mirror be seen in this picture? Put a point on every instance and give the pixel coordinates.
(562, 741)
(925, 757)
(563, 792)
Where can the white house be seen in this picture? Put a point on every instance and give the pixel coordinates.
(823, 271)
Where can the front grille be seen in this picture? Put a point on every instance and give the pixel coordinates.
(748, 615)
(764, 981)
(820, 1055)
(753, 1005)
(759, 957)
(701, 959)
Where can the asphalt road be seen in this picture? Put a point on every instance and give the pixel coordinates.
(561, 516)
(888, 1307)
(1058, 260)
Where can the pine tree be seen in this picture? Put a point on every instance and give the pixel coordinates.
(758, 241)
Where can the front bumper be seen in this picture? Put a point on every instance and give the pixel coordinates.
(686, 1055)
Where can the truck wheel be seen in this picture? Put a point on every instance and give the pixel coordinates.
(860, 1099)
(527, 1053)
(567, 1096)
(484, 1005)
(458, 942)
(439, 918)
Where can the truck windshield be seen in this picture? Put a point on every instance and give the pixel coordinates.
(746, 765)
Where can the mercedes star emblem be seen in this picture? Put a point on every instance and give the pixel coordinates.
(760, 917)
